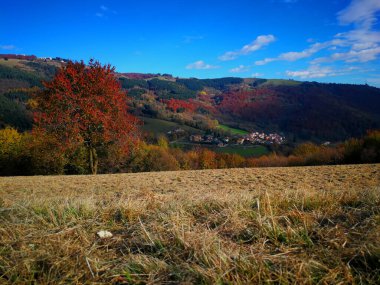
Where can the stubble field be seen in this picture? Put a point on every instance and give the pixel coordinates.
(305, 225)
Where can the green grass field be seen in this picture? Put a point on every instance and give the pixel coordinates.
(11, 62)
(158, 126)
(278, 82)
(245, 151)
(233, 131)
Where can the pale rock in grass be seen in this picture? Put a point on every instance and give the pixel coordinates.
(104, 234)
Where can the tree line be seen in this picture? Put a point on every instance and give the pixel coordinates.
(31, 153)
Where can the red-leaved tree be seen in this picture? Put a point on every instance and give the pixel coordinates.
(84, 106)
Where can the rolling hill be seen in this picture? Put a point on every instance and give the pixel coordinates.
(300, 110)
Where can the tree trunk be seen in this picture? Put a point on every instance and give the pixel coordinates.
(93, 160)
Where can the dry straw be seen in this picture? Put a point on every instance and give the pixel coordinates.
(306, 225)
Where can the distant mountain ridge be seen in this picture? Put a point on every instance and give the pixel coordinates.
(300, 110)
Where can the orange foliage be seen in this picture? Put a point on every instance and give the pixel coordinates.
(84, 105)
(176, 105)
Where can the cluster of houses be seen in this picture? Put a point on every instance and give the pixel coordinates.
(263, 138)
(210, 139)
(176, 134)
(252, 138)
(60, 59)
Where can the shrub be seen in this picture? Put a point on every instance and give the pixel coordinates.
(11, 146)
(44, 154)
(152, 158)
(352, 151)
(371, 147)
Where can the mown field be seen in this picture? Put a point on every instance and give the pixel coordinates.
(233, 131)
(244, 151)
(158, 126)
(301, 225)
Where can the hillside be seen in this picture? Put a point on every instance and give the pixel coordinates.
(304, 225)
(299, 110)
(19, 78)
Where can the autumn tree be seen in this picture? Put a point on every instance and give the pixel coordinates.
(84, 106)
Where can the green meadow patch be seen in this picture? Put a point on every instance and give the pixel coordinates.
(233, 131)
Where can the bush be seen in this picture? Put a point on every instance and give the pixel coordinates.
(77, 162)
(29, 154)
(152, 158)
(306, 149)
(45, 155)
(371, 147)
(11, 146)
(352, 151)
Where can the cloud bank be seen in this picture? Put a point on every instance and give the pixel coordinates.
(258, 43)
(200, 64)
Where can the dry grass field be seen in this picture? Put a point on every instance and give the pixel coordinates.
(304, 225)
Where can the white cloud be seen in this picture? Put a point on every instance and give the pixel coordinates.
(239, 69)
(200, 64)
(293, 56)
(257, 44)
(352, 55)
(230, 55)
(257, 74)
(296, 55)
(360, 38)
(265, 61)
(317, 71)
(359, 12)
(312, 72)
(7, 47)
(104, 12)
(363, 41)
(361, 44)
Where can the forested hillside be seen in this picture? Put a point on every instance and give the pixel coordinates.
(299, 110)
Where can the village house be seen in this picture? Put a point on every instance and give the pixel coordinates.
(208, 139)
(240, 141)
(263, 138)
(196, 138)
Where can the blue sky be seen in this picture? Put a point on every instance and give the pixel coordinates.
(327, 41)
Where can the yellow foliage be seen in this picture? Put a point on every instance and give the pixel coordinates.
(32, 104)
(10, 140)
(306, 149)
(162, 141)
